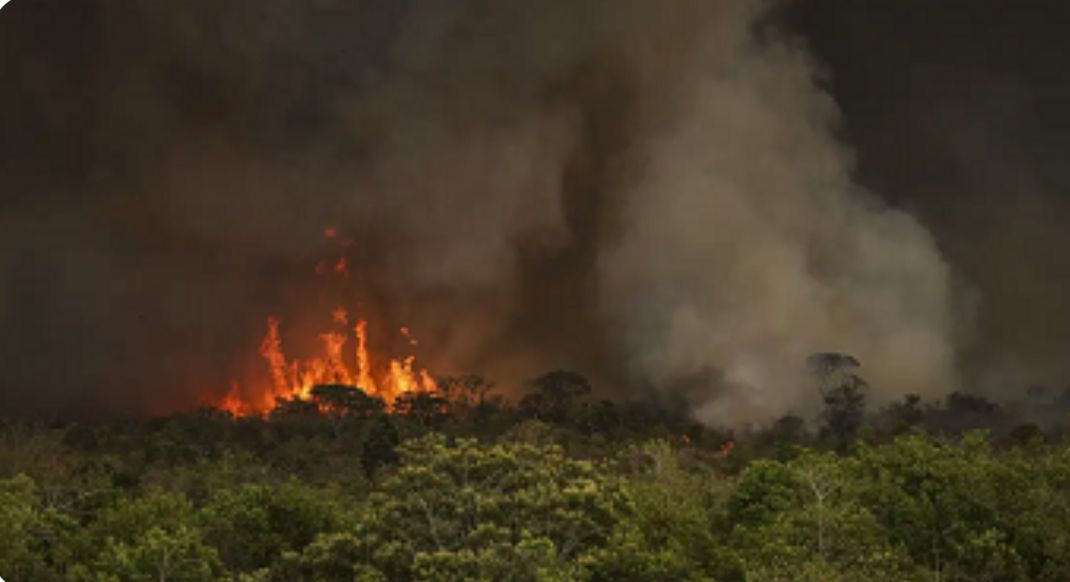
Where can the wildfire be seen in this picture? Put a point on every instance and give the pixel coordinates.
(355, 366)
(295, 378)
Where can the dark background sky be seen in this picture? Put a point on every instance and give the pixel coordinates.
(956, 111)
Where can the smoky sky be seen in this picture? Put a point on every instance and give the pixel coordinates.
(956, 112)
(683, 198)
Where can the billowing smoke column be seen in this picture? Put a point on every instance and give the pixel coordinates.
(648, 192)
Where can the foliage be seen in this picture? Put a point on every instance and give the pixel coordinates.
(668, 533)
(466, 511)
(253, 525)
(178, 556)
(462, 485)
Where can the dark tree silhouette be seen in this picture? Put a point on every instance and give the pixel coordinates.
(294, 408)
(378, 450)
(555, 395)
(844, 395)
(343, 400)
(824, 364)
(904, 416)
(469, 389)
(429, 408)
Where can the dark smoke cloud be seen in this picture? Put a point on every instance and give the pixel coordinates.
(656, 194)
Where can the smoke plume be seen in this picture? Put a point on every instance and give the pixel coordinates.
(652, 193)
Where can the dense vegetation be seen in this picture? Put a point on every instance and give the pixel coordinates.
(560, 486)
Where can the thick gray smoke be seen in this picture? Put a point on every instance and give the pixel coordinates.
(966, 124)
(649, 192)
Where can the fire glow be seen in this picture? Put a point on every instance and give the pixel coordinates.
(345, 359)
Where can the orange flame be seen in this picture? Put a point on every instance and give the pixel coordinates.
(296, 378)
(364, 366)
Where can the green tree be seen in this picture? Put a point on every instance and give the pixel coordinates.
(967, 512)
(38, 544)
(158, 556)
(254, 525)
(468, 511)
(130, 518)
(802, 520)
(667, 532)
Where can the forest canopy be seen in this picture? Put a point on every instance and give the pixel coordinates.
(462, 485)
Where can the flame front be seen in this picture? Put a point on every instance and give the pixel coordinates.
(296, 378)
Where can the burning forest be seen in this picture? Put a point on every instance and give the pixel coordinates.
(571, 290)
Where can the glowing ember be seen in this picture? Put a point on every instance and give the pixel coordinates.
(340, 315)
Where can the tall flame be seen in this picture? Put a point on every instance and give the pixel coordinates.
(295, 378)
